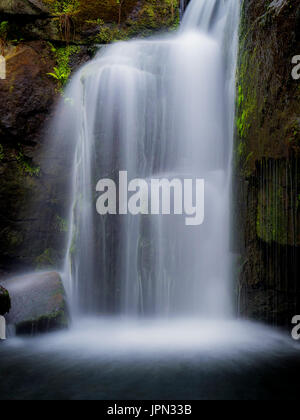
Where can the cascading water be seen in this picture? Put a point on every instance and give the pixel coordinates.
(158, 108)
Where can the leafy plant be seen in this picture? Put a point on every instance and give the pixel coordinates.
(110, 33)
(62, 71)
(26, 167)
(60, 74)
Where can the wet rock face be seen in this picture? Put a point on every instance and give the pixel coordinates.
(5, 303)
(37, 303)
(32, 201)
(267, 161)
(27, 93)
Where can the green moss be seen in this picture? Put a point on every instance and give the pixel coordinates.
(61, 224)
(46, 260)
(155, 16)
(51, 322)
(114, 17)
(14, 238)
(110, 33)
(1, 153)
(3, 35)
(272, 224)
(61, 7)
(246, 106)
(247, 97)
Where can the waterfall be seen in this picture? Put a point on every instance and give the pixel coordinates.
(156, 108)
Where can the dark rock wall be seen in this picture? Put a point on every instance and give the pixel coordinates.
(34, 181)
(27, 96)
(267, 161)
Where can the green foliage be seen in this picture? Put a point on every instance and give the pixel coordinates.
(64, 7)
(46, 260)
(271, 216)
(60, 74)
(65, 11)
(110, 33)
(155, 16)
(26, 167)
(61, 225)
(247, 106)
(3, 35)
(62, 71)
(3, 29)
(152, 16)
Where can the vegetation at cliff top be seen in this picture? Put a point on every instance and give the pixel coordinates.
(117, 19)
(106, 25)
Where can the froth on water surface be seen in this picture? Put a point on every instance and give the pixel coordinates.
(119, 338)
(183, 359)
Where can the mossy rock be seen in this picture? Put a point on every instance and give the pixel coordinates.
(38, 303)
(5, 303)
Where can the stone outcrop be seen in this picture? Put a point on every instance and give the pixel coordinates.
(267, 161)
(23, 7)
(37, 303)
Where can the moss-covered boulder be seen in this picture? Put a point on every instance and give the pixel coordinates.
(38, 303)
(5, 303)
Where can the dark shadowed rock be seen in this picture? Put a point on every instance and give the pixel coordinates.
(38, 303)
(268, 161)
(30, 200)
(23, 7)
(5, 303)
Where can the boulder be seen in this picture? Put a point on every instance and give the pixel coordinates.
(38, 303)
(5, 303)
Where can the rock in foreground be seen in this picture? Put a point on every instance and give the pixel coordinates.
(5, 303)
(38, 303)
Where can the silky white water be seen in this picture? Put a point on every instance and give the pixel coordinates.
(156, 108)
